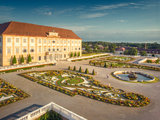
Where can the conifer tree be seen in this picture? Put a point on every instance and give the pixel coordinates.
(22, 59)
(74, 69)
(86, 71)
(93, 72)
(29, 58)
(14, 61)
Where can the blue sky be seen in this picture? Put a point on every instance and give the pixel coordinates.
(92, 20)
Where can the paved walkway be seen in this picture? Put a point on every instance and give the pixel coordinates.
(88, 108)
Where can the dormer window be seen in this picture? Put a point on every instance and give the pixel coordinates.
(53, 33)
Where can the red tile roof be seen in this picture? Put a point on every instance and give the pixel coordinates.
(27, 29)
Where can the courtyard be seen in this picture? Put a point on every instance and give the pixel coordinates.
(86, 107)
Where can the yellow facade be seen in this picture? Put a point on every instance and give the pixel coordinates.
(41, 49)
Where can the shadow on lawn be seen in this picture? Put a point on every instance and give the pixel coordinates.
(22, 112)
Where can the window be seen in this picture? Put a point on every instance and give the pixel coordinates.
(39, 58)
(53, 41)
(79, 48)
(32, 58)
(45, 58)
(32, 40)
(32, 50)
(39, 49)
(49, 49)
(39, 41)
(53, 49)
(24, 50)
(64, 55)
(75, 48)
(8, 40)
(0, 50)
(45, 41)
(17, 40)
(44, 49)
(57, 49)
(17, 50)
(8, 50)
(64, 49)
(24, 40)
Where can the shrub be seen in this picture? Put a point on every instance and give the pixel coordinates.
(71, 55)
(105, 65)
(69, 68)
(14, 60)
(29, 58)
(79, 54)
(74, 69)
(80, 69)
(87, 71)
(75, 54)
(93, 72)
(22, 59)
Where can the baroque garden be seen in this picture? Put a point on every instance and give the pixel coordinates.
(78, 81)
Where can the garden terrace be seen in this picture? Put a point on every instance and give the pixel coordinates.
(118, 58)
(115, 64)
(10, 94)
(72, 83)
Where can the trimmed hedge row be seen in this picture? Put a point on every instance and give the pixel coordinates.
(133, 99)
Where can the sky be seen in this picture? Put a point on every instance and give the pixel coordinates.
(92, 20)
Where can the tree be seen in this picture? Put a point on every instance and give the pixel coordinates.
(71, 55)
(22, 59)
(69, 68)
(93, 72)
(132, 51)
(75, 54)
(29, 58)
(79, 54)
(143, 53)
(14, 60)
(157, 61)
(86, 71)
(80, 69)
(74, 69)
(105, 65)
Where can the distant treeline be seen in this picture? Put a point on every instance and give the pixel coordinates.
(154, 45)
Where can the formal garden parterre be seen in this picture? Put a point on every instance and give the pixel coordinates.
(118, 58)
(73, 83)
(10, 94)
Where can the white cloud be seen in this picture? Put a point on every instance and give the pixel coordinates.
(6, 13)
(93, 15)
(105, 7)
(122, 21)
(45, 10)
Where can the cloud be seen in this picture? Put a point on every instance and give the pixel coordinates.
(45, 10)
(122, 21)
(93, 15)
(105, 7)
(6, 13)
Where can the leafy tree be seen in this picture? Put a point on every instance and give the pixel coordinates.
(22, 59)
(79, 54)
(71, 55)
(93, 72)
(75, 54)
(157, 61)
(132, 51)
(29, 58)
(69, 68)
(80, 69)
(149, 61)
(14, 60)
(143, 53)
(105, 65)
(87, 71)
(74, 69)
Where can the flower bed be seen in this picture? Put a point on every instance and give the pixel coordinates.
(89, 87)
(10, 94)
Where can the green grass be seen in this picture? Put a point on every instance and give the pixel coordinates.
(75, 80)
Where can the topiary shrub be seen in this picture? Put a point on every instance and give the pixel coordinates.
(87, 71)
(14, 60)
(22, 59)
(69, 68)
(93, 72)
(29, 58)
(74, 69)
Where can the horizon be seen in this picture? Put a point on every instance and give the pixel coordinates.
(109, 21)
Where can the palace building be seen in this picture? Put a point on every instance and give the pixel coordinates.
(42, 43)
